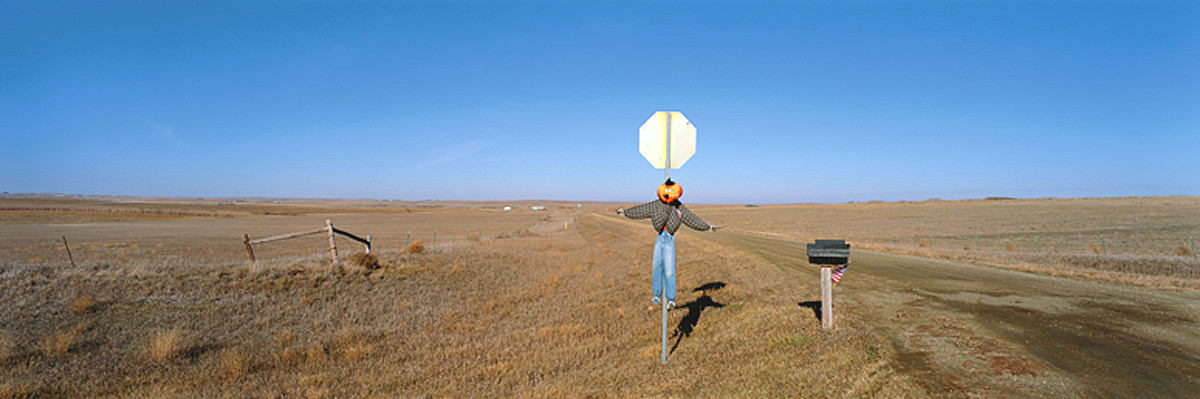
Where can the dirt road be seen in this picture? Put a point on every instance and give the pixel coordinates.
(970, 330)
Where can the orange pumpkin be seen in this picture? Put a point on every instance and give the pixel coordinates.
(670, 191)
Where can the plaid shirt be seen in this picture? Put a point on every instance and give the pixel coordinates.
(667, 216)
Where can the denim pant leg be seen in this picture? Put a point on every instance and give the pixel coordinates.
(669, 264)
(657, 269)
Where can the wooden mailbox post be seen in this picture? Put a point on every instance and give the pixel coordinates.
(828, 253)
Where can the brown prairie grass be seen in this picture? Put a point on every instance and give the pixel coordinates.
(316, 354)
(1166, 272)
(416, 246)
(351, 345)
(234, 364)
(285, 338)
(1183, 251)
(1131, 225)
(62, 341)
(10, 390)
(7, 348)
(288, 356)
(165, 346)
(82, 305)
(571, 320)
(1055, 236)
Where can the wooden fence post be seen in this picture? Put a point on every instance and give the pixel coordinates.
(1193, 246)
(332, 245)
(328, 229)
(249, 251)
(826, 298)
(72, 257)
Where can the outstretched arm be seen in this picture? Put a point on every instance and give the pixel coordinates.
(639, 212)
(693, 221)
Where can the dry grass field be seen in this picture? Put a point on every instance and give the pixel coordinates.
(162, 302)
(1140, 240)
(544, 304)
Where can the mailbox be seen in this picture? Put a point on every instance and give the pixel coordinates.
(829, 252)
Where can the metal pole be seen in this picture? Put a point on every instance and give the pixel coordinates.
(667, 155)
(664, 322)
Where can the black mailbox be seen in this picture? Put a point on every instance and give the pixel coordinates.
(829, 252)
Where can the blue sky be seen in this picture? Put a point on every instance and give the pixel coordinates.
(816, 101)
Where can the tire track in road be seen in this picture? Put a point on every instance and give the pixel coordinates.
(975, 330)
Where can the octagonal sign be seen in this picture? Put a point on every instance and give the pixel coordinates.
(667, 140)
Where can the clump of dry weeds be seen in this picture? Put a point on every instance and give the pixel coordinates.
(234, 364)
(82, 305)
(165, 346)
(365, 260)
(1183, 251)
(63, 340)
(316, 354)
(416, 246)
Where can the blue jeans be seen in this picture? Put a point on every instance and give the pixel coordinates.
(664, 264)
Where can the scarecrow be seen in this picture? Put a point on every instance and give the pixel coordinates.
(666, 214)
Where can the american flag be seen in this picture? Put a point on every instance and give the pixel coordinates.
(837, 273)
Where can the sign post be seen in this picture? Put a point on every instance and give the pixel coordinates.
(827, 253)
(667, 140)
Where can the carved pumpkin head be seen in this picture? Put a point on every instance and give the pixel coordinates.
(670, 192)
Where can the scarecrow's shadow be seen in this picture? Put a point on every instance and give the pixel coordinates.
(815, 306)
(694, 310)
(713, 286)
